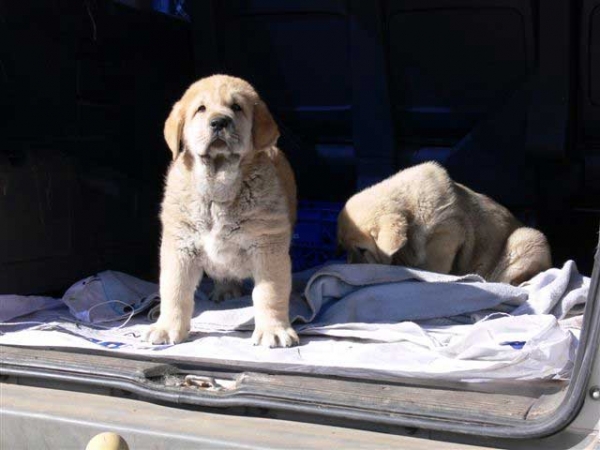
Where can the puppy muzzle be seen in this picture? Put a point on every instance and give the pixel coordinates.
(220, 144)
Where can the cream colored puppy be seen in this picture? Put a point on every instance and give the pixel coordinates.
(421, 218)
(228, 210)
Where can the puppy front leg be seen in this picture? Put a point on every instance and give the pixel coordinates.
(179, 277)
(271, 297)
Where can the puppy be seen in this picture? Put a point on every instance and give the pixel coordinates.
(421, 218)
(228, 210)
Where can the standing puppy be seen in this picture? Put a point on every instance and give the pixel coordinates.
(228, 210)
(421, 218)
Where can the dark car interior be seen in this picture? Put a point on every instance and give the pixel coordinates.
(504, 93)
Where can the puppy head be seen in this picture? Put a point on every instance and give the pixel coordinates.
(220, 120)
(369, 235)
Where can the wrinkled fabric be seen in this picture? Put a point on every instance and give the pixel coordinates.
(13, 306)
(365, 321)
(109, 296)
(106, 297)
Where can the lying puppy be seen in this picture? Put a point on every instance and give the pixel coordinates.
(421, 218)
(228, 210)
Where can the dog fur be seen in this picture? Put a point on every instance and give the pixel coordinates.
(228, 210)
(421, 218)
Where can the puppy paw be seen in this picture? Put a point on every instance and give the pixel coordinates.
(276, 335)
(166, 332)
(224, 290)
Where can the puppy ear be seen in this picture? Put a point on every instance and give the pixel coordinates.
(173, 129)
(390, 234)
(264, 129)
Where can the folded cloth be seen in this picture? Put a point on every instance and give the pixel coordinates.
(362, 321)
(560, 292)
(13, 306)
(332, 294)
(372, 293)
(368, 294)
(109, 296)
(106, 297)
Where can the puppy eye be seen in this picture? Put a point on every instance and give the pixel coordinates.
(202, 108)
(236, 107)
(361, 250)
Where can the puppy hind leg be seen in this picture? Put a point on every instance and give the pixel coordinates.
(442, 248)
(226, 289)
(526, 253)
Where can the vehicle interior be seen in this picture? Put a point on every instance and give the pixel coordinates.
(503, 93)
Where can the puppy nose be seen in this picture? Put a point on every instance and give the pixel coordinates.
(218, 123)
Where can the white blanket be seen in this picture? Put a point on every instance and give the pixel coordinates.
(355, 320)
